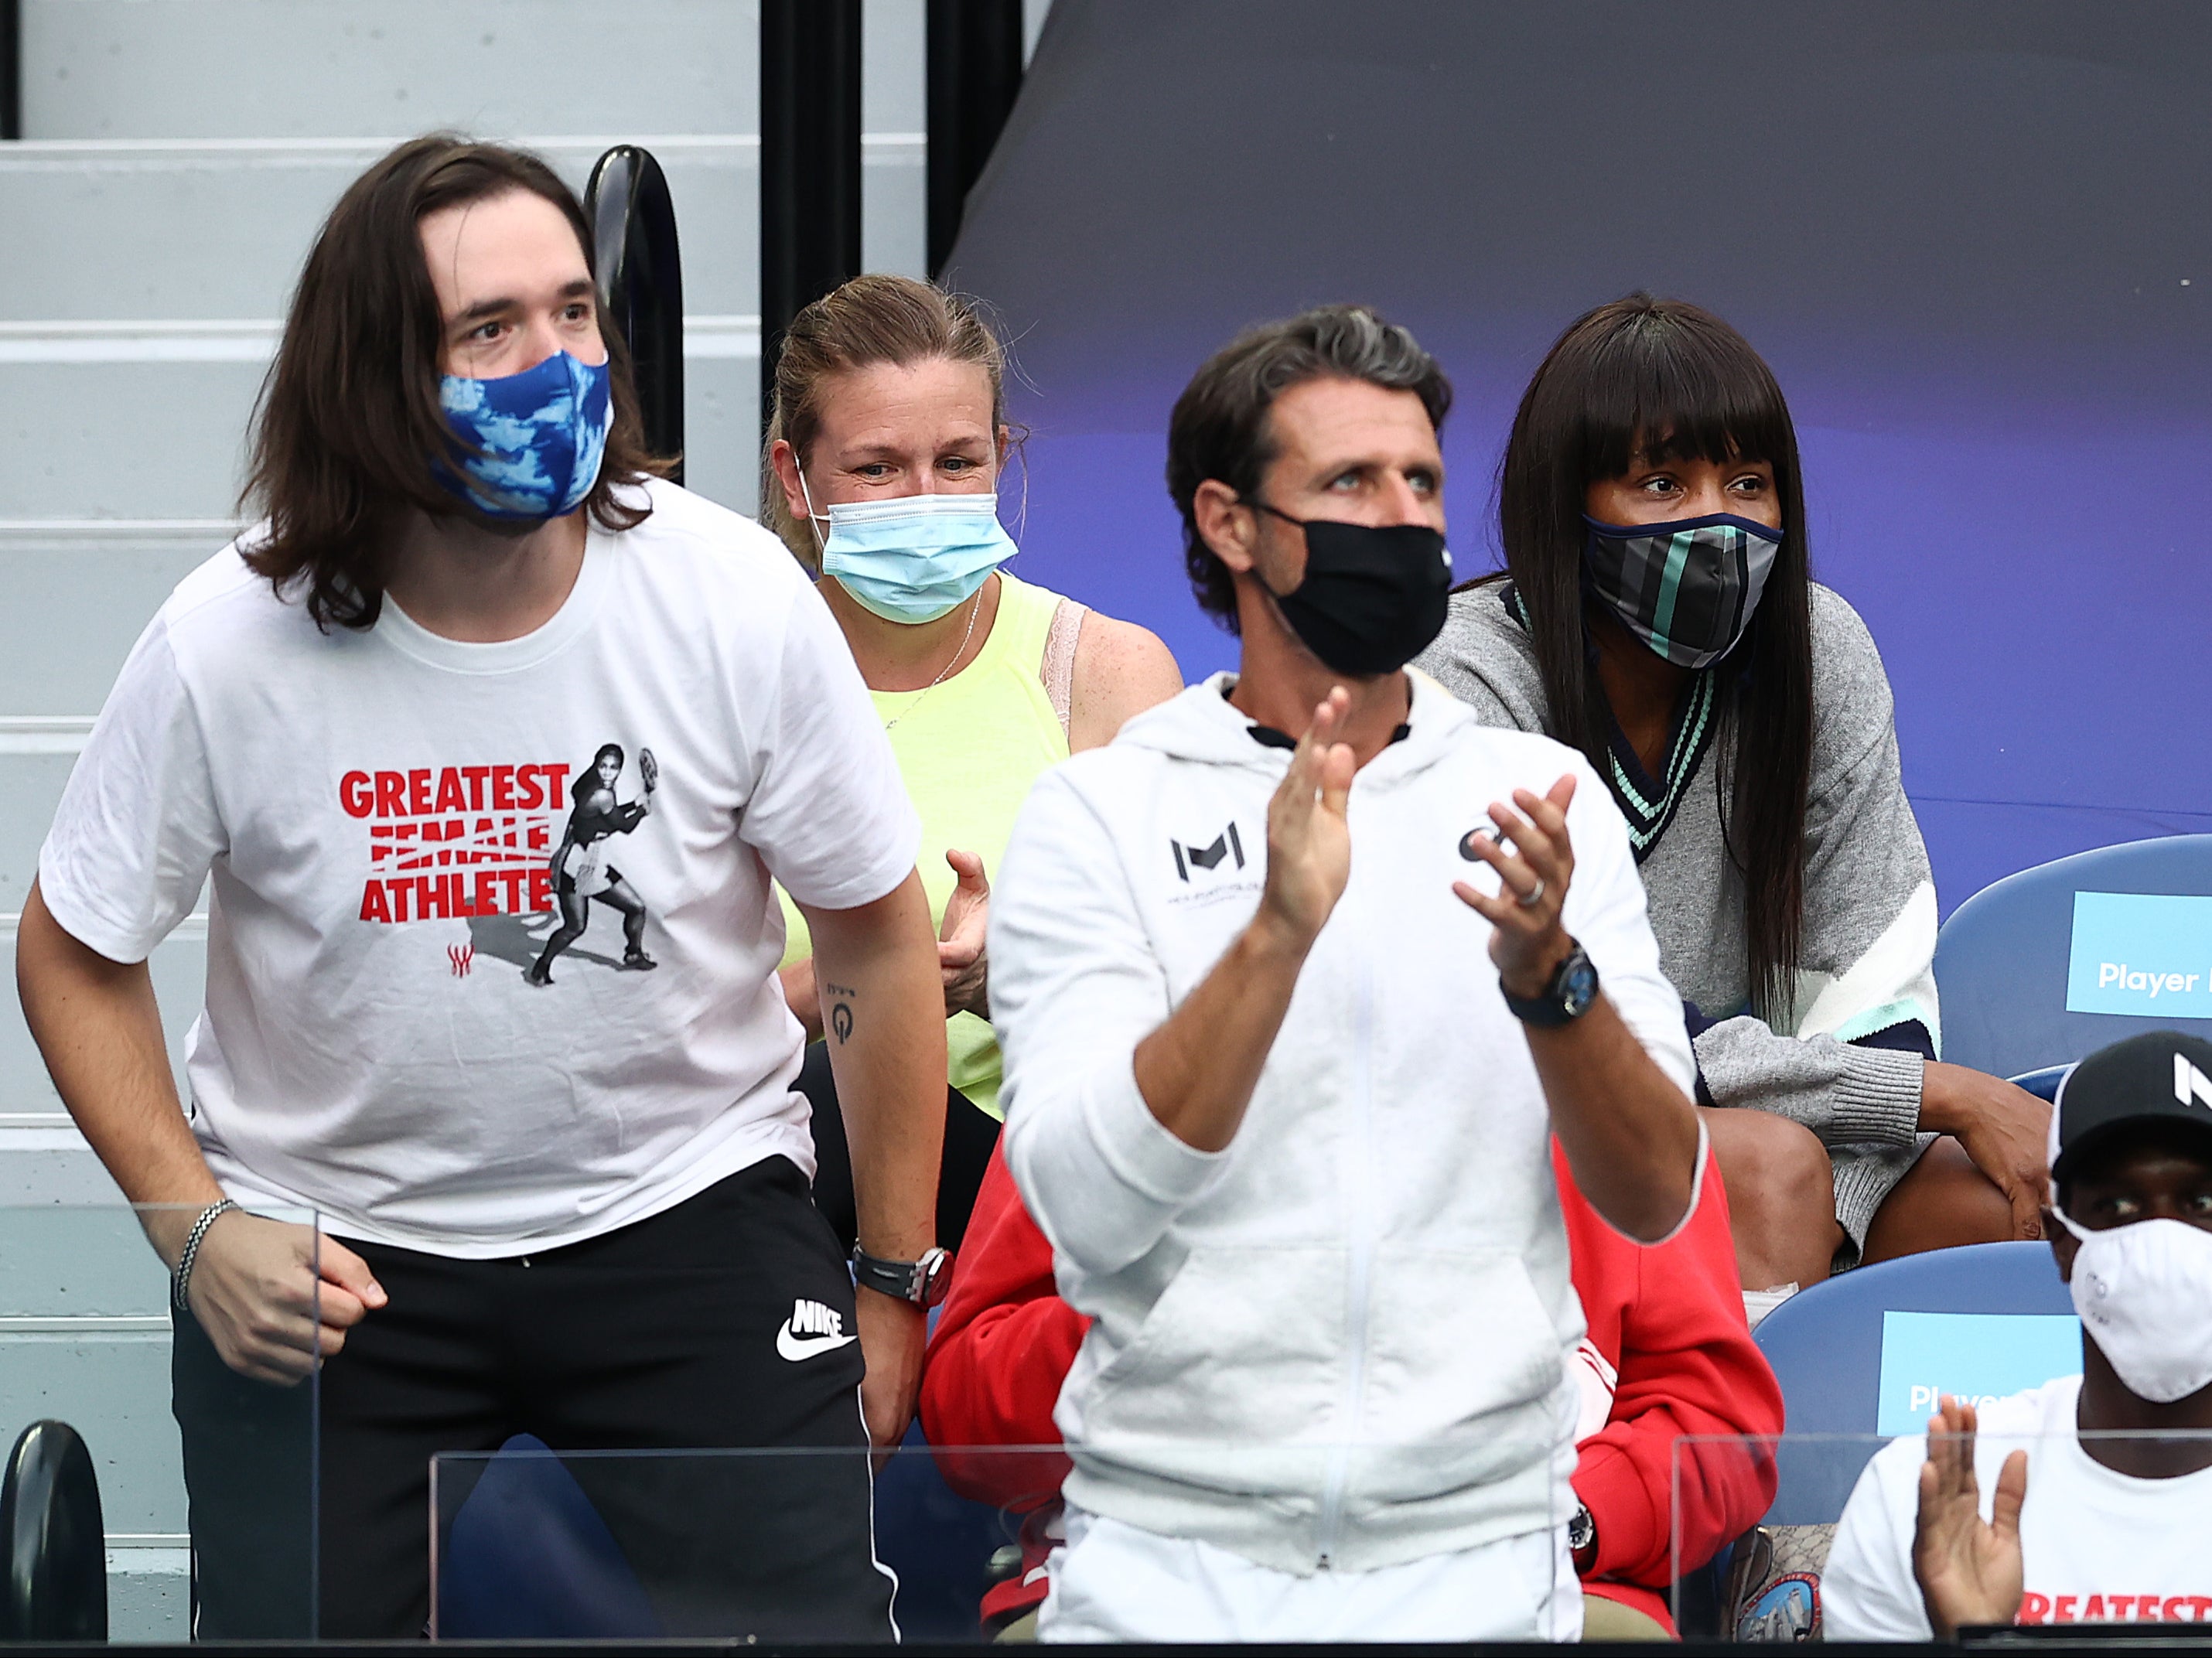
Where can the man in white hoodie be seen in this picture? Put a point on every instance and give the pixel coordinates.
(1289, 1022)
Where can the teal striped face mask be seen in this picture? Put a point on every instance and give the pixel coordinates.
(1686, 588)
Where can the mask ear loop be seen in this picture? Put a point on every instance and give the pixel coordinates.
(813, 518)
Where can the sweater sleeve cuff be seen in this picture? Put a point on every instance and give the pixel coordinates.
(1876, 1100)
(1629, 1528)
(1140, 1152)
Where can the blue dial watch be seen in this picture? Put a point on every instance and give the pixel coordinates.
(1572, 988)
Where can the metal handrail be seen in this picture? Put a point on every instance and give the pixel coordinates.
(641, 271)
(53, 1554)
(11, 69)
(810, 184)
(975, 73)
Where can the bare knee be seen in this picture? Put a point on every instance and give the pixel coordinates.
(1781, 1194)
(1943, 1202)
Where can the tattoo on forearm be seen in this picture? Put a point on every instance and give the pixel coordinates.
(840, 1013)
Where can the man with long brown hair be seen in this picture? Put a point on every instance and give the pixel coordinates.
(578, 1210)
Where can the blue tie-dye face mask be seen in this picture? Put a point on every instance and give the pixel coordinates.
(542, 433)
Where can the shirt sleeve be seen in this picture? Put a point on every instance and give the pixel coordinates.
(138, 826)
(1867, 1587)
(1075, 985)
(1686, 1366)
(829, 812)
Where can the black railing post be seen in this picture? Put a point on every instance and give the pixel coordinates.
(53, 1555)
(810, 162)
(641, 272)
(11, 69)
(975, 73)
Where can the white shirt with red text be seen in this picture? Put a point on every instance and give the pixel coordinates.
(396, 823)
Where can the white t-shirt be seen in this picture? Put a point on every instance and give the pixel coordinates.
(2098, 1546)
(383, 812)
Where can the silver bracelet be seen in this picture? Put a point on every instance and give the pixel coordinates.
(180, 1281)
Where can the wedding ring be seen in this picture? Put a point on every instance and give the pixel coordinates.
(1530, 900)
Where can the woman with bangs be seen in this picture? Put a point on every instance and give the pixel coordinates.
(1657, 612)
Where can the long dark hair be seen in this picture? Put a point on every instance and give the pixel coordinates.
(1663, 378)
(348, 423)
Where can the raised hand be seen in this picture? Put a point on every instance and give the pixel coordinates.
(1527, 941)
(960, 955)
(1968, 1569)
(1309, 840)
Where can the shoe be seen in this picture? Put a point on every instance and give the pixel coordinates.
(636, 961)
(533, 975)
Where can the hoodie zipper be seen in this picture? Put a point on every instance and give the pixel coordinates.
(1362, 1265)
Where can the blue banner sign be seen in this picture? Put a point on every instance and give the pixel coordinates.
(2145, 954)
(1976, 1356)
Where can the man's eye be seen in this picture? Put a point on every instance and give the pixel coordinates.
(874, 469)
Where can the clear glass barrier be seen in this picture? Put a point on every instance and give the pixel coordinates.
(88, 1340)
(944, 1544)
(2116, 1529)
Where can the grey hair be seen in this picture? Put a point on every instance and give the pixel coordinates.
(1220, 429)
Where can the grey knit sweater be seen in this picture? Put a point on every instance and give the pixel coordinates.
(1845, 1060)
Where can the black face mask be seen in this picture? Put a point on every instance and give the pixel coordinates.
(1374, 595)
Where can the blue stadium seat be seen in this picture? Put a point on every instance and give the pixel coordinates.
(1825, 1347)
(526, 1556)
(2002, 959)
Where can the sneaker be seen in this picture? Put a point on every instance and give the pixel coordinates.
(636, 961)
(533, 975)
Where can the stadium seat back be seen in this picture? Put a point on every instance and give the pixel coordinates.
(2045, 965)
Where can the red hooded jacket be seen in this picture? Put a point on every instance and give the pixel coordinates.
(1668, 1353)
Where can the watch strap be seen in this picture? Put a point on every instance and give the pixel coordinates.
(919, 1281)
(1551, 1008)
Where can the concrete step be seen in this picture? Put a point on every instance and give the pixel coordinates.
(98, 69)
(79, 594)
(112, 1385)
(63, 426)
(219, 228)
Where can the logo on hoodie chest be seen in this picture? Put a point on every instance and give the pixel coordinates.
(1208, 870)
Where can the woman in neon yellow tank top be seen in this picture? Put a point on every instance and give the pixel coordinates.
(886, 442)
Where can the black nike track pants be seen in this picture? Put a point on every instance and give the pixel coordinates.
(662, 1334)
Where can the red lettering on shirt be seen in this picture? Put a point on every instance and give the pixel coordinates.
(2121, 1605)
(2094, 1612)
(2033, 1608)
(2063, 1611)
(429, 862)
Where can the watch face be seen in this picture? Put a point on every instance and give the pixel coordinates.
(1579, 988)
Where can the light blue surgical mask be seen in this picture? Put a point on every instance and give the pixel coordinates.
(913, 558)
(543, 432)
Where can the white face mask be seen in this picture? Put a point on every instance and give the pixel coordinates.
(2144, 1292)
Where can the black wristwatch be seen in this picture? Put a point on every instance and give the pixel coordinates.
(1581, 1538)
(1568, 996)
(922, 1282)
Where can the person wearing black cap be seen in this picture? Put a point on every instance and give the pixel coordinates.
(2118, 1529)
